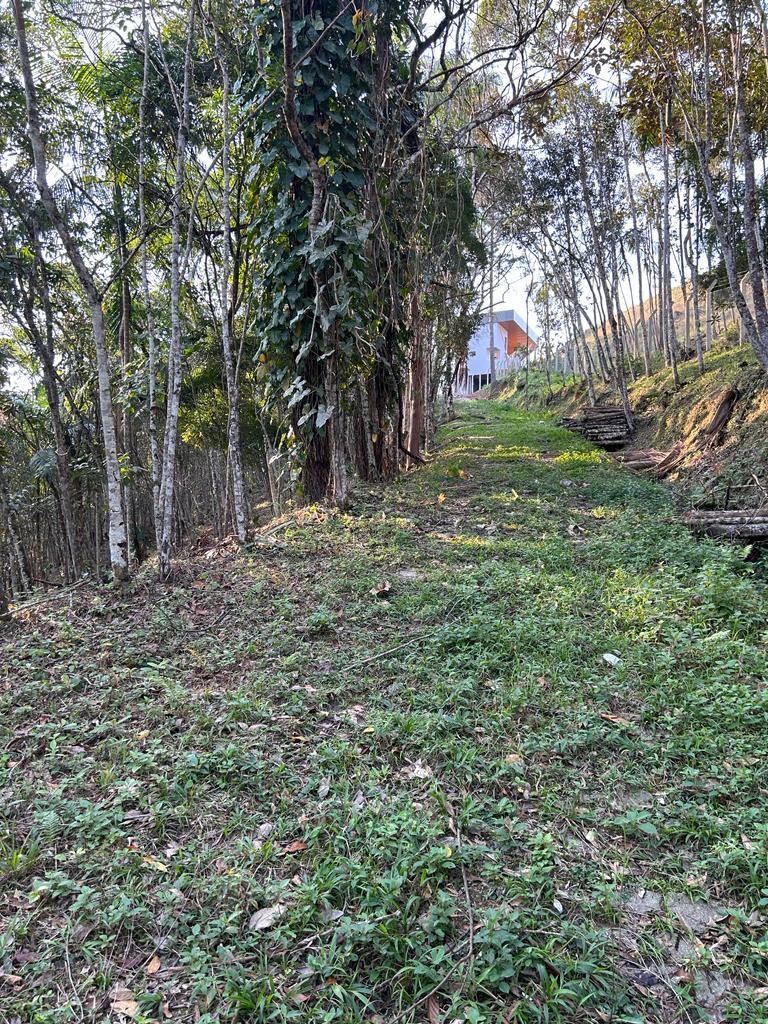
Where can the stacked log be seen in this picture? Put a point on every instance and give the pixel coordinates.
(733, 524)
(604, 425)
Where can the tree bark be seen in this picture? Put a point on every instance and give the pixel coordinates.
(227, 313)
(337, 486)
(170, 445)
(117, 533)
(154, 448)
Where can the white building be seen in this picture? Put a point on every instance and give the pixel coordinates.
(513, 338)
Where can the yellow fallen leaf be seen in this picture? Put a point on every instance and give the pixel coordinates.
(154, 863)
(440, 498)
(143, 735)
(448, 851)
(154, 965)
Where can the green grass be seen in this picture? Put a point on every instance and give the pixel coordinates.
(443, 787)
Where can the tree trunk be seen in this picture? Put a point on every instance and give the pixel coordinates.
(751, 214)
(638, 254)
(668, 312)
(620, 378)
(117, 533)
(416, 386)
(170, 445)
(154, 448)
(227, 313)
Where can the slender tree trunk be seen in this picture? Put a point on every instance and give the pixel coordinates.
(710, 317)
(44, 348)
(638, 253)
(757, 339)
(751, 210)
(491, 318)
(227, 313)
(416, 385)
(666, 260)
(174, 352)
(692, 257)
(117, 532)
(154, 448)
(126, 349)
(620, 378)
(24, 576)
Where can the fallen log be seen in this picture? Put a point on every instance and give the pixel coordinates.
(672, 459)
(732, 515)
(722, 413)
(732, 524)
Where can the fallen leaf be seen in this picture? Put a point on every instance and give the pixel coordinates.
(616, 719)
(154, 965)
(331, 915)
(514, 758)
(611, 659)
(295, 847)
(124, 1002)
(381, 588)
(433, 1010)
(324, 788)
(11, 979)
(154, 863)
(266, 917)
(440, 498)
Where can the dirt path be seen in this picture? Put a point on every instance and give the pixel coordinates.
(379, 767)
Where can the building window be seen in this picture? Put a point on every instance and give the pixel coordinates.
(480, 380)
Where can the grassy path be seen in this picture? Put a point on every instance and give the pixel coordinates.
(378, 768)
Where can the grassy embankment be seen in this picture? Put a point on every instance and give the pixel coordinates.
(377, 764)
(667, 414)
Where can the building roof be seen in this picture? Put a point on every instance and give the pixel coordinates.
(502, 316)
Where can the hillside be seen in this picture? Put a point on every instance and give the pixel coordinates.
(735, 468)
(490, 746)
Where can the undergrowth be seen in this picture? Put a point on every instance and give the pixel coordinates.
(377, 767)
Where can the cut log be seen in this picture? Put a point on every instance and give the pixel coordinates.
(734, 524)
(604, 425)
(740, 515)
